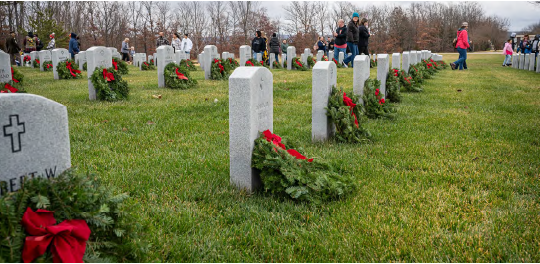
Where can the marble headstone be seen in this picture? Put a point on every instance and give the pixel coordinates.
(272, 58)
(44, 55)
(532, 62)
(58, 55)
(320, 54)
(396, 61)
(360, 74)
(210, 52)
(405, 62)
(382, 71)
(33, 57)
(165, 55)
(340, 57)
(291, 53)
(324, 76)
(5, 68)
(96, 57)
(330, 55)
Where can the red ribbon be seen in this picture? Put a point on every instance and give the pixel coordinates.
(219, 65)
(381, 101)
(68, 238)
(37, 61)
(115, 64)
(109, 76)
(10, 88)
(13, 76)
(299, 64)
(376, 91)
(71, 70)
(48, 66)
(146, 64)
(181, 75)
(396, 72)
(249, 62)
(276, 140)
(348, 102)
(27, 58)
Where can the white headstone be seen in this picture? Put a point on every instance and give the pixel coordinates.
(396, 61)
(291, 53)
(210, 52)
(405, 62)
(165, 55)
(259, 57)
(34, 139)
(532, 62)
(515, 62)
(155, 59)
(382, 71)
(245, 53)
(44, 55)
(324, 76)
(33, 57)
(96, 57)
(360, 74)
(250, 112)
(58, 55)
(527, 61)
(225, 55)
(341, 56)
(303, 58)
(5, 68)
(330, 55)
(418, 57)
(272, 58)
(538, 64)
(320, 54)
(521, 61)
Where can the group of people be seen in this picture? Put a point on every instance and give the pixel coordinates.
(185, 44)
(526, 46)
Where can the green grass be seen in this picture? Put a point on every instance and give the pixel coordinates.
(454, 178)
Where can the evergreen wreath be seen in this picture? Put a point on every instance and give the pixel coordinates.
(178, 77)
(347, 117)
(27, 59)
(373, 62)
(47, 66)
(429, 68)
(145, 66)
(392, 86)
(189, 64)
(422, 68)
(35, 63)
(324, 58)
(442, 64)
(152, 61)
(276, 65)
(116, 236)
(253, 62)
(9, 87)
(416, 74)
(109, 84)
(296, 64)
(311, 61)
(374, 103)
(68, 70)
(219, 70)
(120, 66)
(17, 77)
(285, 64)
(339, 65)
(284, 171)
(85, 66)
(408, 83)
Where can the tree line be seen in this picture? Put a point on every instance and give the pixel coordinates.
(228, 25)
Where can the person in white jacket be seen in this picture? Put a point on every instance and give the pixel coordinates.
(186, 45)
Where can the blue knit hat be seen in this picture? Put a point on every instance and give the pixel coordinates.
(355, 15)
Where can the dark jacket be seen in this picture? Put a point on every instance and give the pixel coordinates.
(39, 45)
(341, 35)
(274, 45)
(331, 45)
(73, 45)
(363, 36)
(258, 45)
(12, 47)
(321, 46)
(352, 32)
(284, 48)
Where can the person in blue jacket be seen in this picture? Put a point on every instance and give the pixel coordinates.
(73, 45)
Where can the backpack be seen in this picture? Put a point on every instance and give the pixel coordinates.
(535, 45)
(455, 40)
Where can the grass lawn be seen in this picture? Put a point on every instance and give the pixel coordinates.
(455, 178)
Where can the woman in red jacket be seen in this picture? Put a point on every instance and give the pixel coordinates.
(462, 44)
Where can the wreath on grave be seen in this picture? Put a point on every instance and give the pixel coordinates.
(27, 58)
(189, 64)
(392, 86)
(285, 64)
(276, 65)
(178, 77)
(284, 171)
(232, 63)
(253, 62)
(324, 58)
(416, 74)
(347, 117)
(68, 70)
(147, 66)
(152, 61)
(9, 88)
(407, 82)
(339, 65)
(47, 66)
(109, 84)
(100, 228)
(429, 68)
(120, 66)
(17, 77)
(374, 103)
(311, 61)
(442, 64)
(85, 66)
(373, 62)
(296, 64)
(35, 63)
(219, 70)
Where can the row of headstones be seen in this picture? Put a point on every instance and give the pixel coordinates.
(526, 62)
(210, 53)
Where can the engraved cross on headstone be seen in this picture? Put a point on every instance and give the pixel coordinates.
(14, 130)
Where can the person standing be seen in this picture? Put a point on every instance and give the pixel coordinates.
(321, 45)
(39, 44)
(274, 46)
(52, 42)
(507, 51)
(30, 43)
(132, 53)
(340, 44)
(363, 37)
(125, 49)
(330, 46)
(176, 43)
(73, 45)
(161, 41)
(525, 45)
(12, 47)
(257, 45)
(284, 47)
(265, 47)
(462, 45)
(352, 39)
(186, 44)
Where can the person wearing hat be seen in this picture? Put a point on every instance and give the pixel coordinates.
(73, 45)
(12, 47)
(352, 39)
(462, 45)
(30, 42)
(52, 43)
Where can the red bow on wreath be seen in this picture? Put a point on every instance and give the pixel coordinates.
(376, 91)
(146, 64)
(249, 62)
(348, 102)
(48, 66)
(71, 70)
(115, 64)
(335, 61)
(68, 238)
(27, 58)
(262, 62)
(299, 64)
(396, 72)
(109, 76)
(37, 61)
(429, 65)
(276, 140)
(10, 88)
(13, 76)
(181, 75)
(219, 65)
(381, 101)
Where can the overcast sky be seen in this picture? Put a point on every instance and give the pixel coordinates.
(520, 14)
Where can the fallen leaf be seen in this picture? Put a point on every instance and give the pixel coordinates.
(475, 159)
(105, 121)
(466, 107)
(124, 129)
(157, 96)
(170, 140)
(150, 123)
